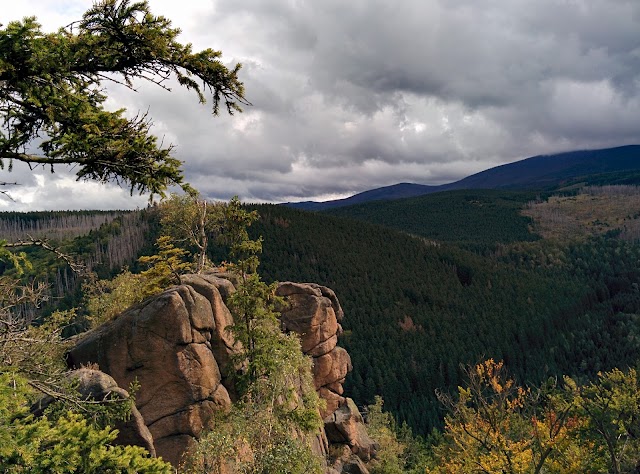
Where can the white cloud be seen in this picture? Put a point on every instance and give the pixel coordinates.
(350, 96)
(60, 191)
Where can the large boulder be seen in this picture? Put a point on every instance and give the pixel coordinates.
(346, 426)
(96, 386)
(345, 462)
(166, 345)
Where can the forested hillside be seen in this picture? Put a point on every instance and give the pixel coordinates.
(416, 308)
(100, 242)
(465, 281)
(473, 217)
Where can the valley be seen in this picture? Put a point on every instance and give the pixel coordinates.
(545, 281)
(431, 283)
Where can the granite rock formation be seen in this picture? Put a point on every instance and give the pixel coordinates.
(313, 311)
(166, 344)
(176, 346)
(345, 426)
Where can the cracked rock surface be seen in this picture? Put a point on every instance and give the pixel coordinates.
(176, 347)
(166, 344)
(313, 311)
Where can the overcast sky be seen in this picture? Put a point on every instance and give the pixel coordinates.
(353, 95)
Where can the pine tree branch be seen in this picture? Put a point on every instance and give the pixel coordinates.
(78, 268)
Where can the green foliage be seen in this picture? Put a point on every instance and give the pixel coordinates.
(64, 399)
(399, 451)
(190, 221)
(251, 440)
(415, 310)
(34, 351)
(628, 178)
(269, 429)
(381, 427)
(100, 242)
(68, 444)
(255, 326)
(496, 426)
(33, 355)
(14, 260)
(235, 234)
(612, 409)
(253, 303)
(165, 267)
(105, 299)
(51, 86)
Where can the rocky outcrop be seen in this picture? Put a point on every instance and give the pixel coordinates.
(345, 462)
(167, 345)
(346, 427)
(313, 312)
(177, 348)
(216, 290)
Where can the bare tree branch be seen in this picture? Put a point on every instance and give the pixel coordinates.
(78, 268)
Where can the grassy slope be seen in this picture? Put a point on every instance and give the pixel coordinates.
(592, 211)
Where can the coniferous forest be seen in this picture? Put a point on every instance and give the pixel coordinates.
(423, 301)
(486, 330)
(418, 306)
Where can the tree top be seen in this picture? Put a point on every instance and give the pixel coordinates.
(52, 93)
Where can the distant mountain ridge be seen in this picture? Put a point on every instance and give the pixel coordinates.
(395, 191)
(536, 172)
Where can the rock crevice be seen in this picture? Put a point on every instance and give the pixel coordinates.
(178, 349)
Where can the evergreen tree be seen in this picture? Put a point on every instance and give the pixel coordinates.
(51, 86)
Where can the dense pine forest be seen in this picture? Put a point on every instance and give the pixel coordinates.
(493, 323)
(417, 307)
(475, 217)
(434, 288)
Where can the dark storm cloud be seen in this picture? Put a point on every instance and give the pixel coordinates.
(423, 91)
(348, 96)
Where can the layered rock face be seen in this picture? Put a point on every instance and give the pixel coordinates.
(313, 311)
(167, 345)
(176, 346)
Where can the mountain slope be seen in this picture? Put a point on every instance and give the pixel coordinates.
(473, 216)
(396, 191)
(537, 172)
(551, 170)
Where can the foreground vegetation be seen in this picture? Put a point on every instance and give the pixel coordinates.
(430, 286)
(561, 315)
(277, 405)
